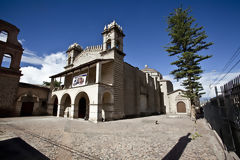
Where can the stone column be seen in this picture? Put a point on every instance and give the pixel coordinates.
(72, 110)
(98, 72)
(52, 84)
(95, 113)
(59, 110)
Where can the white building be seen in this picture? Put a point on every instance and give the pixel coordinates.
(98, 85)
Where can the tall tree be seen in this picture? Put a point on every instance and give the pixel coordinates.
(55, 84)
(187, 39)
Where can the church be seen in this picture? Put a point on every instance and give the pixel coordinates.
(96, 85)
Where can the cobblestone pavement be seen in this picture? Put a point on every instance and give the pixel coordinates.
(140, 138)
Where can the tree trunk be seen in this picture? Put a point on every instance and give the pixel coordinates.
(193, 113)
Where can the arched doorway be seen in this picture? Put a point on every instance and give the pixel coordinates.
(27, 108)
(55, 107)
(65, 106)
(181, 107)
(81, 106)
(27, 102)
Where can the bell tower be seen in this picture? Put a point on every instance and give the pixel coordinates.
(113, 37)
(10, 57)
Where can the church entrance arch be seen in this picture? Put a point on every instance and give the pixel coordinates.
(82, 105)
(181, 107)
(65, 105)
(55, 106)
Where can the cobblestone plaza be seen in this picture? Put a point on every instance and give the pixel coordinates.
(155, 137)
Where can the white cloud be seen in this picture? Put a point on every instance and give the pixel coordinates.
(29, 52)
(207, 81)
(50, 64)
(21, 41)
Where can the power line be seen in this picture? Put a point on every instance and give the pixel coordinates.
(228, 71)
(236, 53)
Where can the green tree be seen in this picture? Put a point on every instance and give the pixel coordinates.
(187, 39)
(56, 83)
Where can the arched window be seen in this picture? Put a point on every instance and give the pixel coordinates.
(3, 36)
(6, 61)
(108, 44)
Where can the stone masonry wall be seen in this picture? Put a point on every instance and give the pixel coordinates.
(8, 91)
(118, 86)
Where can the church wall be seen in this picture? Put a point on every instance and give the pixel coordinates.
(130, 106)
(87, 56)
(176, 97)
(140, 95)
(118, 85)
(107, 73)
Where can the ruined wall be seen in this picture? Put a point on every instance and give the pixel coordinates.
(32, 93)
(8, 91)
(9, 75)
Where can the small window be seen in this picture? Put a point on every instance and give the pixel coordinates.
(108, 45)
(69, 60)
(3, 36)
(6, 61)
(117, 45)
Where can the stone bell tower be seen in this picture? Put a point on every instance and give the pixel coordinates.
(113, 37)
(10, 57)
(72, 52)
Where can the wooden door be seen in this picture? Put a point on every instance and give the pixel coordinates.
(181, 107)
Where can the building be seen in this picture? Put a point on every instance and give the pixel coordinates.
(98, 85)
(16, 98)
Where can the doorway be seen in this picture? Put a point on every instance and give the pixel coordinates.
(82, 108)
(55, 107)
(27, 108)
(181, 107)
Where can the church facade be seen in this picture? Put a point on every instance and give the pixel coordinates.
(97, 84)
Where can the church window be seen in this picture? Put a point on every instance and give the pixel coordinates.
(3, 36)
(108, 45)
(6, 61)
(69, 60)
(117, 45)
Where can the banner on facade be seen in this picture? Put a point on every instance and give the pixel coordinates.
(79, 80)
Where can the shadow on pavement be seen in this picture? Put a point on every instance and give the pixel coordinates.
(178, 149)
(17, 149)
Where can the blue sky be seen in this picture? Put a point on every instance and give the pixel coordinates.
(48, 27)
